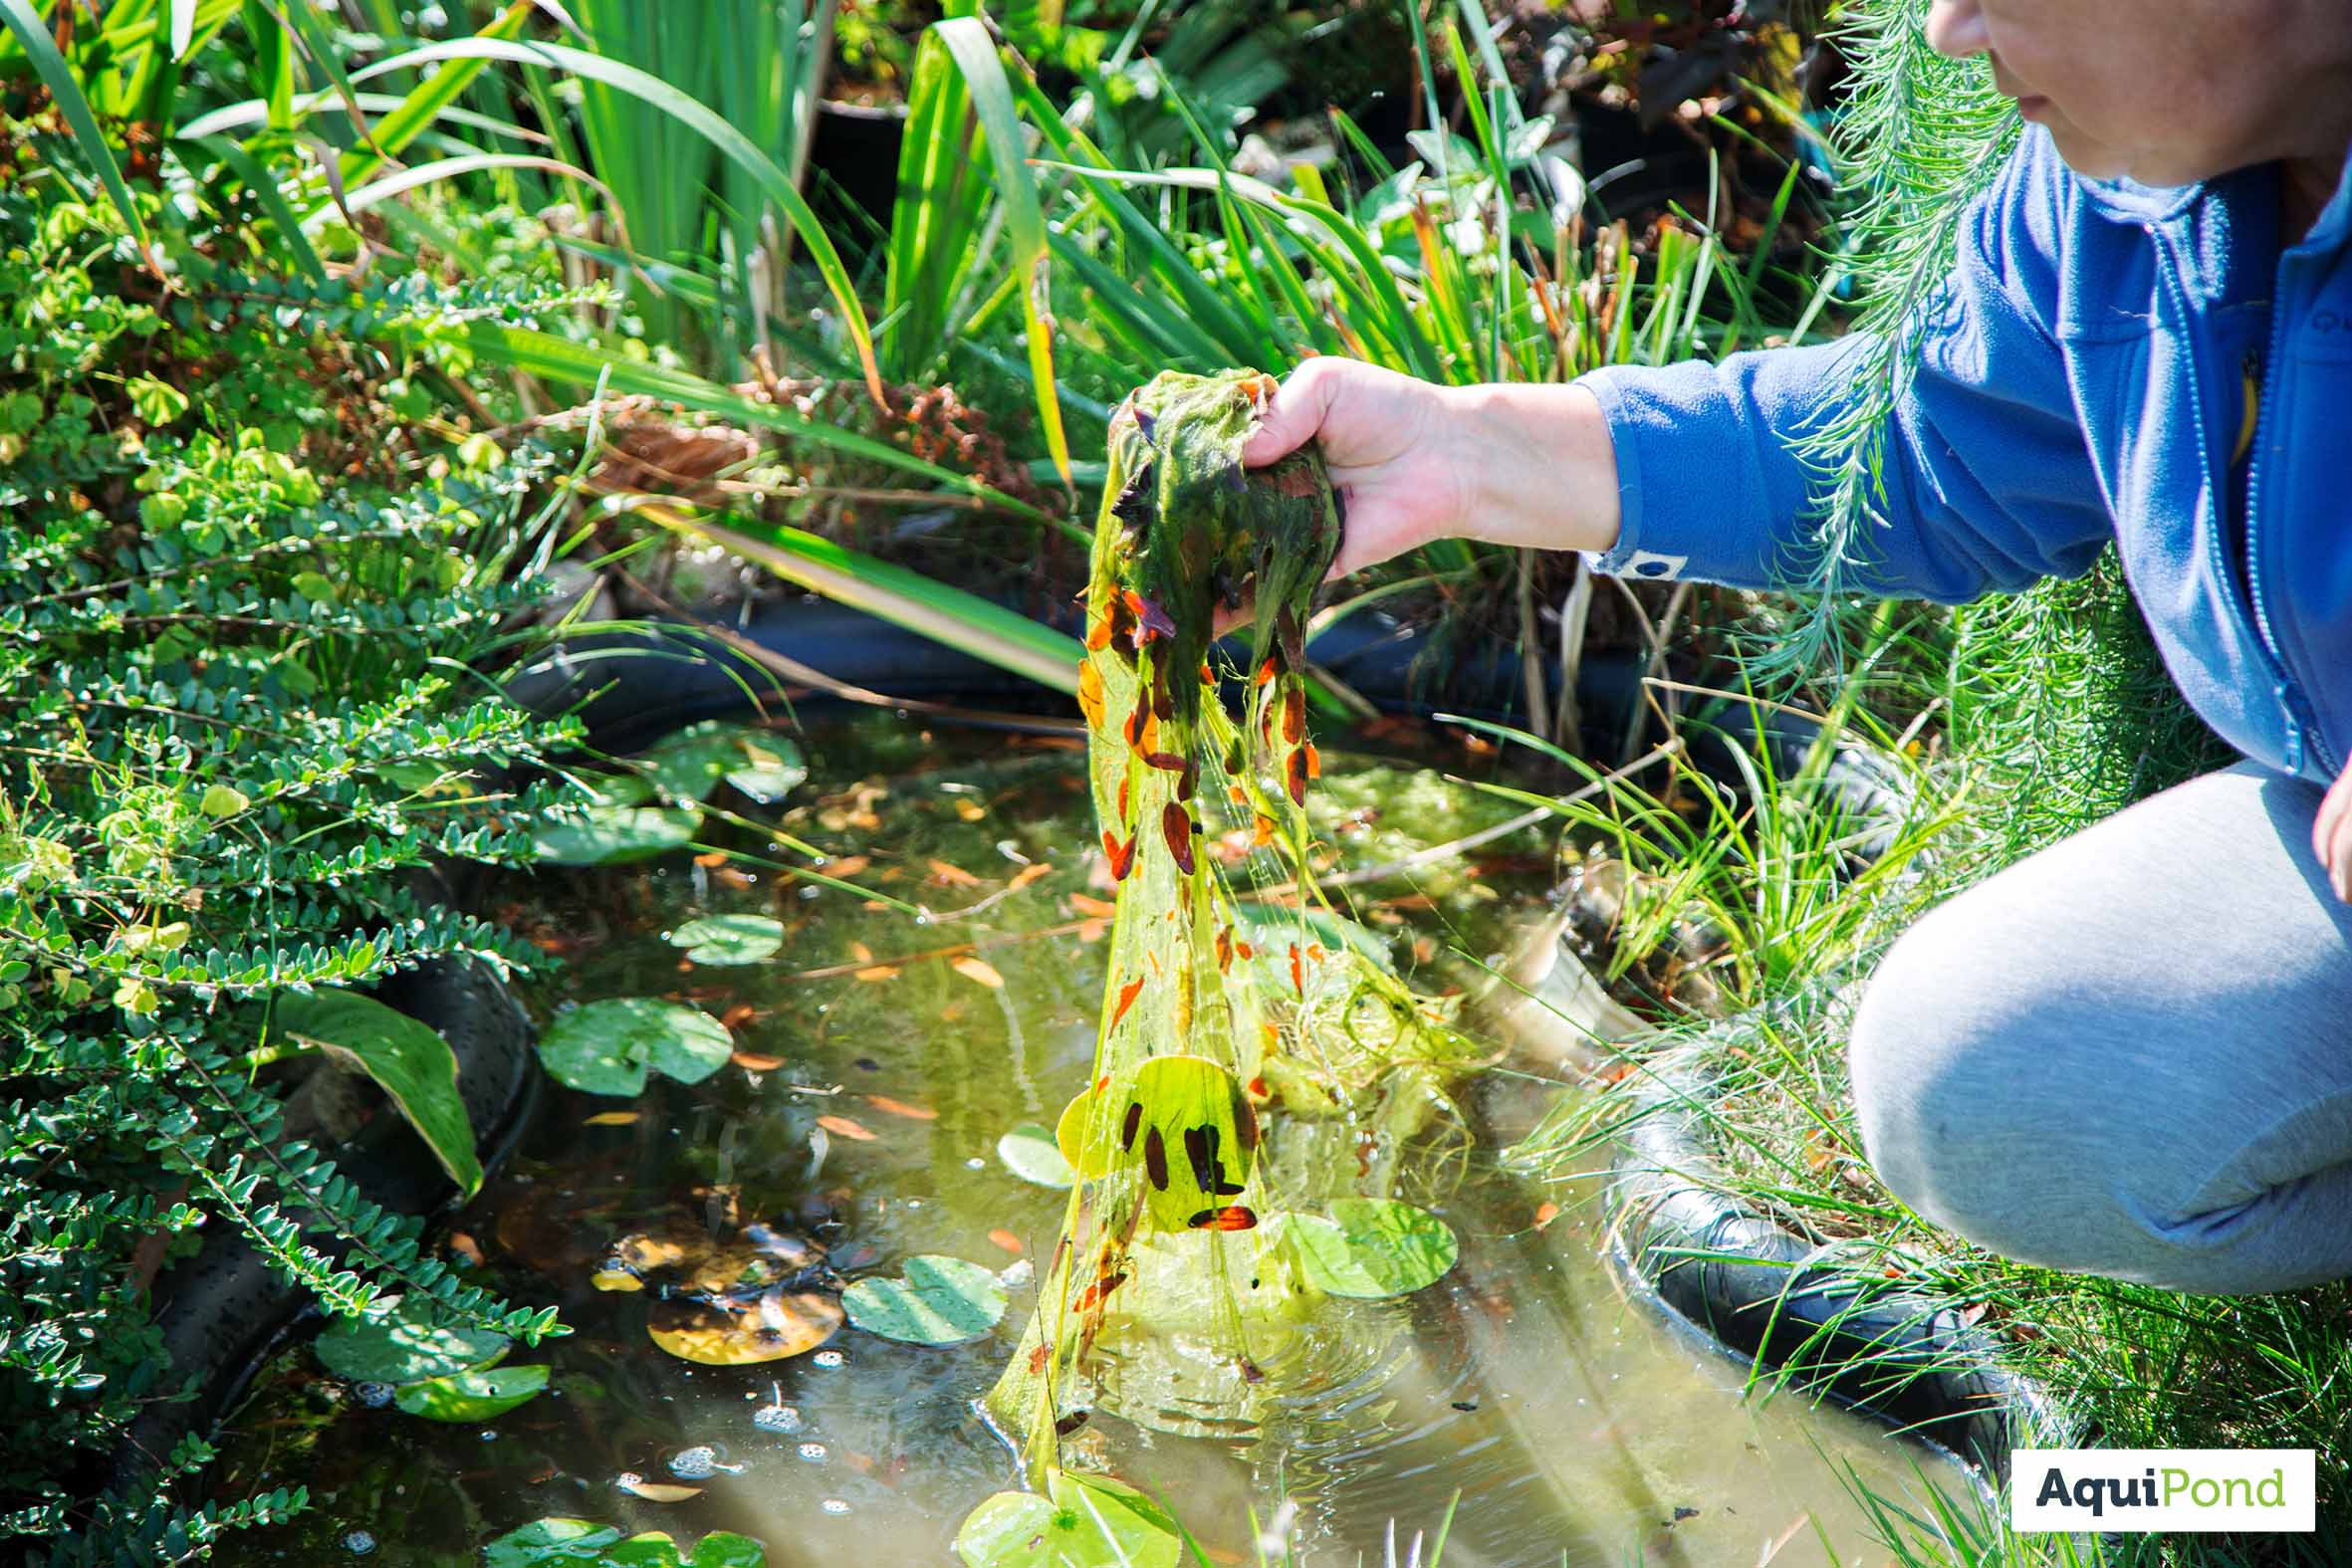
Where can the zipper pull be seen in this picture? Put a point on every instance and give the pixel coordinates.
(2290, 705)
(2249, 370)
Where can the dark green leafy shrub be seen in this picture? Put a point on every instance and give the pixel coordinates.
(256, 536)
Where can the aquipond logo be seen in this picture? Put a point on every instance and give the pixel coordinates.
(2160, 1490)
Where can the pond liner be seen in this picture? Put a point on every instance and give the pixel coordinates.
(223, 1312)
(1766, 1297)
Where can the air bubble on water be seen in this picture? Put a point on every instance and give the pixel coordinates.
(809, 890)
(1016, 1274)
(829, 1358)
(488, 1435)
(776, 1418)
(976, 1164)
(375, 1395)
(359, 1543)
(834, 1506)
(813, 1452)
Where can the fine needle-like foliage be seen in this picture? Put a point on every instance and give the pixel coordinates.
(1921, 135)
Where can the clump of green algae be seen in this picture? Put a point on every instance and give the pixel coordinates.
(1207, 1016)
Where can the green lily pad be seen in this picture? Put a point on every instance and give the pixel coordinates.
(1372, 1247)
(689, 765)
(1082, 1522)
(1030, 1152)
(935, 1301)
(615, 834)
(608, 1047)
(405, 1346)
(544, 1543)
(406, 1057)
(472, 1395)
(729, 939)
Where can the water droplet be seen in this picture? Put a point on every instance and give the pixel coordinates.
(834, 1506)
(375, 1395)
(695, 1464)
(359, 1543)
(776, 1418)
(829, 1358)
(628, 1478)
(813, 1452)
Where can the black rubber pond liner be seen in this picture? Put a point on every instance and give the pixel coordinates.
(1762, 1293)
(224, 1312)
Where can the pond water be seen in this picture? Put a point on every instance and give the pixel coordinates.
(874, 1074)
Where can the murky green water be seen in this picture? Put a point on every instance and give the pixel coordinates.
(873, 1078)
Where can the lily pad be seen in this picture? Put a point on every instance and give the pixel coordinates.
(616, 834)
(729, 939)
(473, 1395)
(1081, 1521)
(1030, 1152)
(583, 1543)
(775, 1324)
(405, 1056)
(1372, 1247)
(405, 1346)
(608, 1047)
(935, 1301)
(690, 764)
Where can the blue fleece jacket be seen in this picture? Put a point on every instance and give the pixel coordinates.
(2103, 357)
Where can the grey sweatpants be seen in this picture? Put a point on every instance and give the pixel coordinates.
(2131, 1055)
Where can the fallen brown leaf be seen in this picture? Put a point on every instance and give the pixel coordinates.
(1007, 1240)
(842, 1126)
(611, 1119)
(753, 1062)
(913, 1113)
(947, 875)
(971, 966)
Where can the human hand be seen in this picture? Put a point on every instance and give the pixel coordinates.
(2331, 835)
(1390, 444)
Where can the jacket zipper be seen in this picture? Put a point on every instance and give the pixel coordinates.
(2301, 727)
(2282, 691)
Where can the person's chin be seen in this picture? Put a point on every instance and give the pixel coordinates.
(2088, 156)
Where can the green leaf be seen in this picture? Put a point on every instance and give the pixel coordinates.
(408, 1060)
(405, 1346)
(1082, 1522)
(1028, 1152)
(608, 1047)
(935, 1301)
(1372, 1247)
(157, 402)
(615, 834)
(544, 1543)
(729, 939)
(473, 1395)
(689, 765)
(58, 76)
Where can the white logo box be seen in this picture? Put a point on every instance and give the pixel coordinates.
(2099, 1489)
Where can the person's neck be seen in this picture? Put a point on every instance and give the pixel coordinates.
(2305, 187)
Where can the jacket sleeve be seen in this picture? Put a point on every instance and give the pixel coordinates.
(1988, 480)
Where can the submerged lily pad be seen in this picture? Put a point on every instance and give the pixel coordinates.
(616, 834)
(729, 939)
(1186, 1122)
(1030, 1152)
(690, 764)
(583, 1543)
(608, 1047)
(773, 1325)
(1081, 1521)
(936, 1301)
(473, 1395)
(1373, 1246)
(405, 1346)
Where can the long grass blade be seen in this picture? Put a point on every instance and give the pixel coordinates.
(905, 598)
(183, 26)
(771, 179)
(58, 76)
(264, 186)
(426, 102)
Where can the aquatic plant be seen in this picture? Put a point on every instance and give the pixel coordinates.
(1211, 1022)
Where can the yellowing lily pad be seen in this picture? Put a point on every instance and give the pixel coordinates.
(729, 939)
(770, 1327)
(935, 1301)
(1081, 1521)
(1372, 1247)
(1185, 1122)
(473, 1395)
